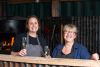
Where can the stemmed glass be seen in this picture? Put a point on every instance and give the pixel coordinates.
(24, 42)
(46, 51)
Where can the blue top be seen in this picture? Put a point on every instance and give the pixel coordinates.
(78, 52)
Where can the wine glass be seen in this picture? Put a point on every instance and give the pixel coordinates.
(24, 42)
(46, 51)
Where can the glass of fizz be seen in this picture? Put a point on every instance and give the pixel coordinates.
(24, 42)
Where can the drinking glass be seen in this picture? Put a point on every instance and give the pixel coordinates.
(46, 51)
(24, 42)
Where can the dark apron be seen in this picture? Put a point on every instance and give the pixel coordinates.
(34, 50)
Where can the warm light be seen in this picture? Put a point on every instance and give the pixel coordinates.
(4, 43)
(12, 41)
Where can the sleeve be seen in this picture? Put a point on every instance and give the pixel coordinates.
(55, 52)
(85, 53)
(17, 44)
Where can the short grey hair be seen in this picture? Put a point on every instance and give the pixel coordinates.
(71, 27)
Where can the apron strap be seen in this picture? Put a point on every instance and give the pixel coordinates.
(36, 38)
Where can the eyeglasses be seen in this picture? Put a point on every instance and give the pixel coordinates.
(70, 32)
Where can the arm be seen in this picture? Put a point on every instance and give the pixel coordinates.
(55, 52)
(14, 53)
(85, 53)
(17, 47)
(23, 52)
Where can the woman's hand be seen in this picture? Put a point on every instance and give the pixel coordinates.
(95, 56)
(23, 52)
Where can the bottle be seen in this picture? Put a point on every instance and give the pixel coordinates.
(46, 51)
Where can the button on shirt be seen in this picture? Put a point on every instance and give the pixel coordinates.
(78, 52)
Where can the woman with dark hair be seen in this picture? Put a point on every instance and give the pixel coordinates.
(29, 43)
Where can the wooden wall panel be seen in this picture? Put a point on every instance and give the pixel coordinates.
(19, 1)
(26, 1)
(70, 0)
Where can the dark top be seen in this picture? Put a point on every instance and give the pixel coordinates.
(17, 46)
(78, 52)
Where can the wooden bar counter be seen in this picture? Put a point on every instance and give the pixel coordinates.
(49, 61)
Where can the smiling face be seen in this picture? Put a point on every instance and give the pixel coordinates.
(33, 25)
(70, 33)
